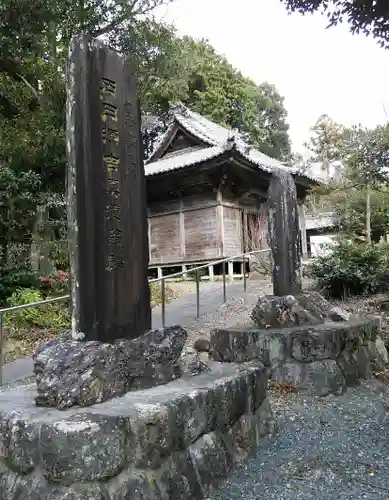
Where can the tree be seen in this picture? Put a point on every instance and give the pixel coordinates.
(364, 16)
(34, 36)
(172, 69)
(349, 209)
(368, 163)
(361, 192)
(328, 140)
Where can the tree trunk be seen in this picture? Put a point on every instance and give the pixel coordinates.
(368, 213)
(39, 254)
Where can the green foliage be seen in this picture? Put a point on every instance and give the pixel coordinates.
(364, 16)
(353, 268)
(15, 278)
(172, 69)
(350, 211)
(48, 316)
(327, 140)
(34, 37)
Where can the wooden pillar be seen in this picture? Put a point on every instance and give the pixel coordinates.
(159, 272)
(211, 273)
(245, 232)
(303, 231)
(182, 230)
(184, 269)
(149, 235)
(220, 223)
(231, 271)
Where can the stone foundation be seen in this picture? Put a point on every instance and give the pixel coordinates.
(317, 359)
(176, 441)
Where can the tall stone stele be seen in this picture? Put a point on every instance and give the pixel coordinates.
(107, 213)
(284, 234)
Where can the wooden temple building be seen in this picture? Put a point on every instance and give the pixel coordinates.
(206, 194)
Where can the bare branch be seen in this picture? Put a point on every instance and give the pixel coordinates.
(33, 90)
(135, 9)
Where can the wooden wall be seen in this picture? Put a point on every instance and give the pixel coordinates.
(232, 228)
(183, 229)
(197, 228)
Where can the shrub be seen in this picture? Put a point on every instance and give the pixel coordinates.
(55, 283)
(48, 316)
(14, 278)
(353, 268)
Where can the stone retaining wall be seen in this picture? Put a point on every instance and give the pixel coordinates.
(172, 442)
(317, 359)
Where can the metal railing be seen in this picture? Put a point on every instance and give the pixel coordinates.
(162, 279)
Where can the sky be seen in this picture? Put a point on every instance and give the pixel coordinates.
(318, 71)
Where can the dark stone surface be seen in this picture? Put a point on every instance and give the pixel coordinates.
(202, 345)
(304, 343)
(86, 491)
(315, 303)
(135, 486)
(355, 364)
(211, 459)
(176, 441)
(190, 363)
(72, 373)
(107, 214)
(284, 234)
(317, 359)
(316, 344)
(286, 311)
(319, 377)
(83, 448)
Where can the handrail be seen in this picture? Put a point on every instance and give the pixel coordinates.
(203, 266)
(161, 279)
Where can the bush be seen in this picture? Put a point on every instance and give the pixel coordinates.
(48, 316)
(56, 283)
(353, 268)
(14, 278)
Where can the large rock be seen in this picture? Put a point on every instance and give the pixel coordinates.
(190, 363)
(306, 308)
(318, 378)
(378, 354)
(355, 364)
(72, 373)
(286, 311)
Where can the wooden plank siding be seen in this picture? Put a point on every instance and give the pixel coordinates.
(201, 234)
(199, 228)
(232, 226)
(183, 229)
(165, 244)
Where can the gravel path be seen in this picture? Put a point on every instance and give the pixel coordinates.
(182, 311)
(336, 447)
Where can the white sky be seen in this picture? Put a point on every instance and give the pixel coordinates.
(316, 70)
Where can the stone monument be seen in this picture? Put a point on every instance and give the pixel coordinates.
(107, 213)
(306, 343)
(150, 427)
(283, 220)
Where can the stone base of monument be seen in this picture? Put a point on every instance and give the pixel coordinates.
(172, 442)
(303, 347)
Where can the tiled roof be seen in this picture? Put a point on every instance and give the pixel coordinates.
(219, 139)
(182, 160)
